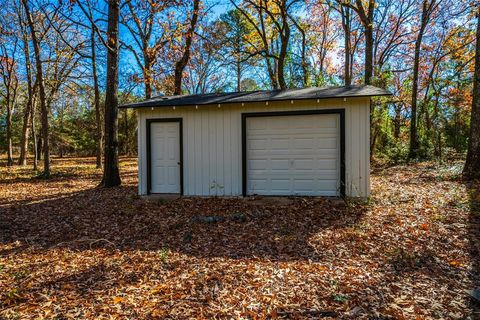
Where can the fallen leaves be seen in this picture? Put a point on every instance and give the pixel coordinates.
(69, 250)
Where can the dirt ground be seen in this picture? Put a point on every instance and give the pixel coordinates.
(69, 250)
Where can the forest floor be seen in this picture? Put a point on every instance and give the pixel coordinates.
(71, 251)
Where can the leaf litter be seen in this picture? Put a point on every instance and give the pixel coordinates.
(69, 250)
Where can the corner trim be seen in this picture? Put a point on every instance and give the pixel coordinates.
(340, 112)
(149, 150)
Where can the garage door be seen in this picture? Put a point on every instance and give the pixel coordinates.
(293, 155)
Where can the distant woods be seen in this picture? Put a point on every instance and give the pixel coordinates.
(65, 66)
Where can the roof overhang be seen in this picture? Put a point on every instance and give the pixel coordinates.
(262, 96)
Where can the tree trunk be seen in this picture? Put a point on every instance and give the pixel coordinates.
(182, 63)
(147, 76)
(34, 138)
(437, 135)
(283, 48)
(239, 73)
(271, 73)
(60, 129)
(368, 54)
(127, 138)
(39, 147)
(305, 73)
(281, 67)
(396, 121)
(28, 109)
(111, 174)
(472, 164)
(9, 133)
(22, 160)
(366, 18)
(96, 100)
(346, 30)
(413, 152)
(41, 91)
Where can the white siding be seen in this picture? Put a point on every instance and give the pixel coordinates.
(212, 140)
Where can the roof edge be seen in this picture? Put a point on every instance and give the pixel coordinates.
(309, 93)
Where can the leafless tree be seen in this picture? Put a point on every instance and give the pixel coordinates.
(181, 63)
(8, 73)
(149, 33)
(366, 15)
(41, 88)
(472, 164)
(428, 7)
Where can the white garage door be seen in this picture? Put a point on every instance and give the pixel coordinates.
(293, 155)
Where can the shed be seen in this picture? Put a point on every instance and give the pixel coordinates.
(306, 142)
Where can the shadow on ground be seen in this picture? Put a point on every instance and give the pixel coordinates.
(203, 227)
(106, 250)
(474, 232)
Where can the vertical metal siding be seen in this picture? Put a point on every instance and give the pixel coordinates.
(212, 143)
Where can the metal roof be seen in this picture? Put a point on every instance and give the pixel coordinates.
(259, 96)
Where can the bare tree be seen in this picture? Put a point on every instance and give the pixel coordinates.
(232, 32)
(366, 16)
(149, 35)
(264, 48)
(472, 164)
(428, 7)
(8, 72)
(111, 174)
(28, 111)
(185, 56)
(91, 56)
(96, 97)
(41, 89)
(391, 32)
(323, 33)
(272, 45)
(347, 29)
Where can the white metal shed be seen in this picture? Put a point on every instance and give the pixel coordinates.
(308, 142)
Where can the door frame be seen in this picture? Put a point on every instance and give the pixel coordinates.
(149, 149)
(340, 112)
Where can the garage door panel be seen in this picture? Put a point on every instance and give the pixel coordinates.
(280, 164)
(258, 164)
(258, 144)
(279, 184)
(328, 121)
(327, 143)
(303, 143)
(258, 186)
(300, 155)
(327, 164)
(304, 164)
(279, 143)
(272, 125)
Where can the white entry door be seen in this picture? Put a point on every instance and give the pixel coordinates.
(165, 157)
(293, 155)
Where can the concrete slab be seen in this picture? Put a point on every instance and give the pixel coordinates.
(161, 197)
(270, 201)
(285, 201)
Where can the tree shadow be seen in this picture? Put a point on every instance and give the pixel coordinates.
(233, 228)
(473, 189)
(119, 223)
(209, 245)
